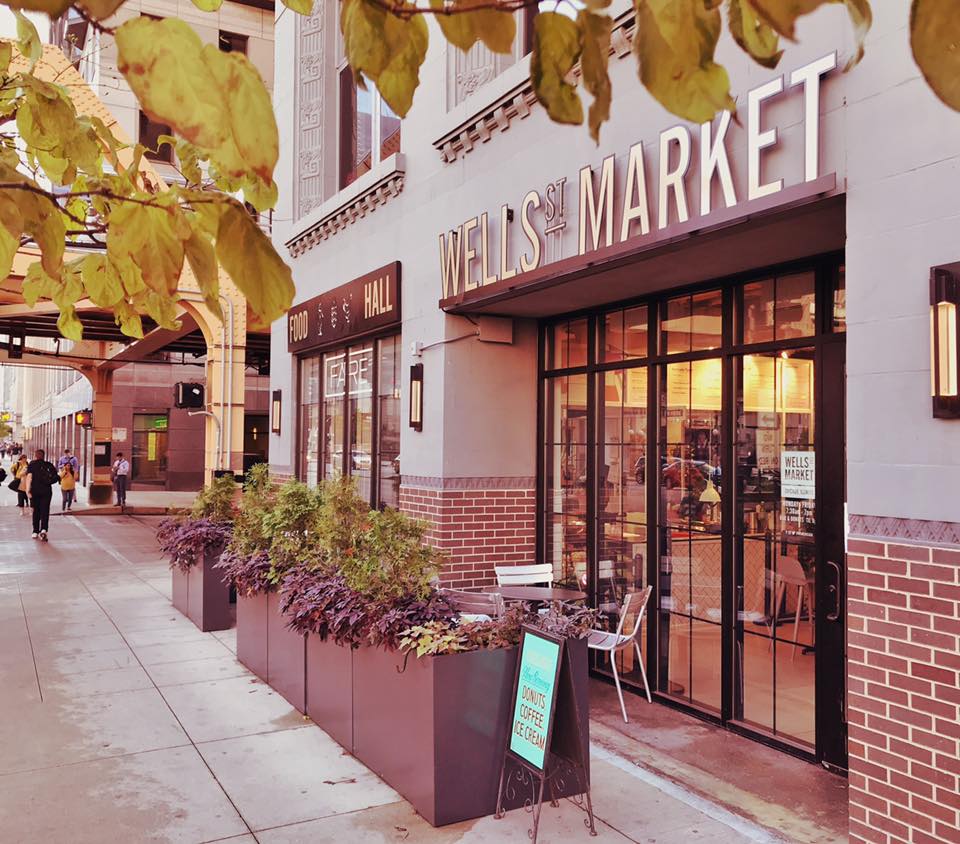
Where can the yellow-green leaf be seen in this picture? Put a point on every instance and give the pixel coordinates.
(755, 36)
(128, 320)
(164, 64)
(675, 45)
(53, 8)
(203, 262)
(782, 15)
(37, 285)
(384, 48)
(934, 39)
(301, 7)
(261, 196)
(556, 48)
(28, 41)
(11, 227)
(595, 43)
(407, 40)
(249, 258)
(152, 238)
(101, 9)
(6, 53)
(44, 222)
(101, 280)
(68, 324)
(208, 5)
(465, 25)
(251, 125)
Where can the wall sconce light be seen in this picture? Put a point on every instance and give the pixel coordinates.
(416, 396)
(276, 407)
(944, 355)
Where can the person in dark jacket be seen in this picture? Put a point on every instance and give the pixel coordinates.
(40, 478)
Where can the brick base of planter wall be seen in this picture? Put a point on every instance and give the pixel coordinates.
(478, 523)
(904, 694)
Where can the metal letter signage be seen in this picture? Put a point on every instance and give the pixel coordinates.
(617, 191)
(368, 303)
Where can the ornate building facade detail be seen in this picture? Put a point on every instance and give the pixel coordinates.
(467, 72)
(365, 203)
(309, 110)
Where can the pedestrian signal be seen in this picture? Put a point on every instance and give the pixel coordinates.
(83, 418)
(188, 395)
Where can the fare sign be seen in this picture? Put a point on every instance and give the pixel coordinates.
(533, 709)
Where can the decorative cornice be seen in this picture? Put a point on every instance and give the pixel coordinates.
(364, 202)
(516, 104)
(526, 484)
(918, 531)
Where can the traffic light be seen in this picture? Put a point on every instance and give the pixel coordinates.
(186, 394)
(83, 418)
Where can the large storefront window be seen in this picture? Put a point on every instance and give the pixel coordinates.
(342, 428)
(683, 447)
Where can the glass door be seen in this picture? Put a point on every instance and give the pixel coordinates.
(149, 453)
(775, 556)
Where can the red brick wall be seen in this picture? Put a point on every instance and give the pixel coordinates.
(904, 695)
(476, 528)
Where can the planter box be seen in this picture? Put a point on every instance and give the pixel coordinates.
(252, 615)
(286, 657)
(330, 689)
(201, 595)
(437, 731)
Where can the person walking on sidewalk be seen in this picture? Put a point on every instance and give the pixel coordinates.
(69, 459)
(19, 471)
(121, 475)
(68, 486)
(39, 480)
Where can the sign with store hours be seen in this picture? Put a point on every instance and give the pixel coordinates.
(536, 693)
(798, 478)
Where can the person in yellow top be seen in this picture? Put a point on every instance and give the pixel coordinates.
(68, 486)
(19, 473)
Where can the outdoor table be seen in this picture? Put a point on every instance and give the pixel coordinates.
(542, 594)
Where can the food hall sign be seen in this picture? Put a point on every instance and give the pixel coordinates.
(368, 303)
(615, 207)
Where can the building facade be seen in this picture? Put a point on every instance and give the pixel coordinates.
(695, 357)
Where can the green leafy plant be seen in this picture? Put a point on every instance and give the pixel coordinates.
(292, 525)
(216, 500)
(433, 639)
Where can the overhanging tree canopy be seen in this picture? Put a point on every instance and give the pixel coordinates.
(68, 179)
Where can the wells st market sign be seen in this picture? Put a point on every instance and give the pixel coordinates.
(477, 253)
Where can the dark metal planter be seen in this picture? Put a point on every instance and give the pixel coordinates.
(437, 731)
(201, 595)
(180, 590)
(252, 626)
(286, 657)
(330, 689)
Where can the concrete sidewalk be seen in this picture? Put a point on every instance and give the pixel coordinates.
(120, 721)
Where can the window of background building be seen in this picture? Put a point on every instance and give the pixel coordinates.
(150, 132)
(230, 42)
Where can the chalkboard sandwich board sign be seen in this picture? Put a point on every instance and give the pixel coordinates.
(545, 737)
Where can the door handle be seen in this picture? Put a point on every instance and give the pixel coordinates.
(835, 592)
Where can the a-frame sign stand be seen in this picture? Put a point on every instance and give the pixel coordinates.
(546, 743)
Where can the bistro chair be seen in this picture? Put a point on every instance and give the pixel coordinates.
(475, 606)
(540, 574)
(790, 575)
(635, 607)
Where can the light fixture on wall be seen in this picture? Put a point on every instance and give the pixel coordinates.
(944, 354)
(276, 408)
(416, 396)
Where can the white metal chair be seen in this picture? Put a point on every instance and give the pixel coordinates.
(533, 575)
(790, 574)
(475, 606)
(635, 606)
